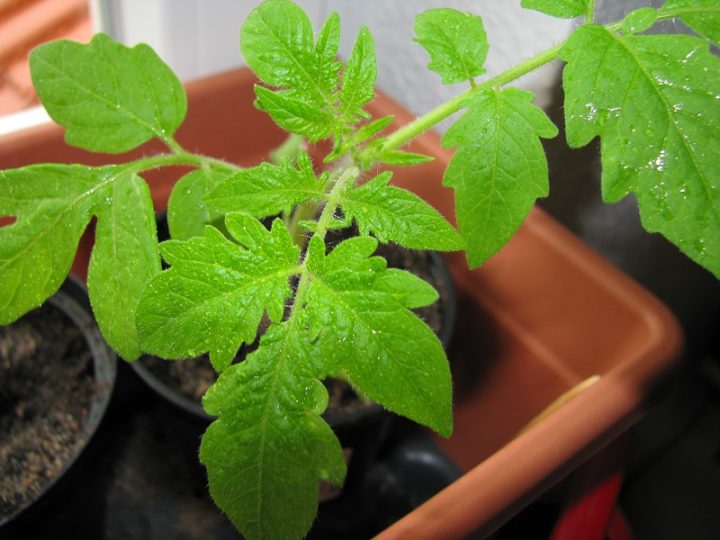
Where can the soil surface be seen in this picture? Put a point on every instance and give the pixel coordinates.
(192, 377)
(46, 388)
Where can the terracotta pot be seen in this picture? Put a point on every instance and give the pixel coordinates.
(542, 317)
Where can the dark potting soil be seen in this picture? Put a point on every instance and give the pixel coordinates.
(46, 388)
(193, 376)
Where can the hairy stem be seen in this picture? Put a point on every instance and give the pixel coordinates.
(173, 145)
(290, 148)
(303, 211)
(590, 12)
(428, 120)
(348, 176)
(179, 159)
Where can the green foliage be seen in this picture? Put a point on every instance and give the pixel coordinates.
(216, 291)
(53, 205)
(370, 332)
(268, 190)
(456, 42)
(566, 9)
(499, 168)
(703, 16)
(363, 134)
(108, 97)
(269, 438)
(268, 448)
(400, 157)
(639, 20)
(187, 213)
(395, 215)
(125, 257)
(295, 115)
(654, 102)
(278, 43)
(358, 79)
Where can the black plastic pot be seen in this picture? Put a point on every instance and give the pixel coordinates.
(72, 301)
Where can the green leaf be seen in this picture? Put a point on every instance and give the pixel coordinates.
(363, 332)
(326, 50)
(703, 16)
(269, 448)
(499, 169)
(654, 101)
(108, 97)
(410, 290)
(125, 257)
(277, 42)
(566, 9)
(53, 205)
(639, 20)
(187, 213)
(401, 158)
(363, 134)
(394, 215)
(296, 115)
(456, 42)
(215, 292)
(369, 130)
(268, 190)
(333, 224)
(358, 79)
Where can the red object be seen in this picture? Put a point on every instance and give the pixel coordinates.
(592, 513)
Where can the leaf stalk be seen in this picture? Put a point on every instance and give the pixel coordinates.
(440, 113)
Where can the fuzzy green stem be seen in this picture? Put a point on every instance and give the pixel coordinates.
(590, 12)
(304, 211)
(290, 148)
(180, 159)
(425, 122)
(173, 145)
(166, 160)
(346, 178)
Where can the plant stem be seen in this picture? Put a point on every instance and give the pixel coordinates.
(428, 120)
(347, 177)
(290, 148)
(590, 12)
(172, 160)
(173, 145)
(303, 211)
(166, 160)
